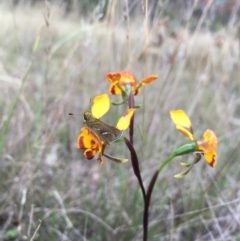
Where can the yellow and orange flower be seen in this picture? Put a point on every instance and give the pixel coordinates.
(124, 82)
(207, 146)
(91, 143)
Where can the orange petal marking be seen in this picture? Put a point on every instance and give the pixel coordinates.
(114, 90)
(89, 154)
(113, 77)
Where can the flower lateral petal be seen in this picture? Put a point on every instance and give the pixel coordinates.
(136, 91)
(124, 121)
(211, 158)
(148, 80)
(101, 105)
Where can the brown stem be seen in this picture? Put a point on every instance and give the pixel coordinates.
(147, 204)
(131, 128)
(135, 165)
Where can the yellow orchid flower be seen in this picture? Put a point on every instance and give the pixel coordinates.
(207, 146)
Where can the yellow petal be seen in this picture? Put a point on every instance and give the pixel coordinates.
(209, 141)
(124, 121)
(85, 130)
(182, 122)
(179, 117)
(83, 142)
(149, 80)
(88, 139)
(84, 139)
(101, 105)
(211, 158)
(185, 132)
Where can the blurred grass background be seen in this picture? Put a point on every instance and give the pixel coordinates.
(53, 60)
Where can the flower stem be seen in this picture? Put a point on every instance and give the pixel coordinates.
(135, 166)
(131, 104)
(149, 194)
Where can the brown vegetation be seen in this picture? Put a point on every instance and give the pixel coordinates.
(43, 175)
